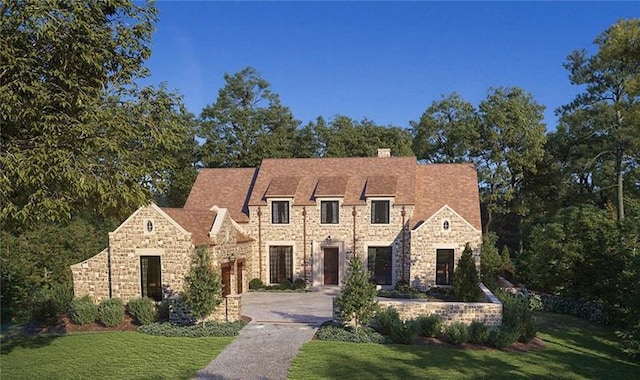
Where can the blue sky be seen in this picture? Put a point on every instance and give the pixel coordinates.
(386, 61)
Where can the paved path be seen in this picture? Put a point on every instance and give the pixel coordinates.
(280, 324)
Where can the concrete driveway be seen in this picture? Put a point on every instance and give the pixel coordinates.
(310, 308)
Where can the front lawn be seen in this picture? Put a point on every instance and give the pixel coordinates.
(575, 349)
(107, 355)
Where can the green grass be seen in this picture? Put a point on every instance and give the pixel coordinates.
(575, 349)
(107, 355)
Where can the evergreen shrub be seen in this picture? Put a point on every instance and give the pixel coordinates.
(457, 333)
(429, 326)
(111, 312)
(83, 310)
(143, 310)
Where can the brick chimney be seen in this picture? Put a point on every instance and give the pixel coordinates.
(384, 153)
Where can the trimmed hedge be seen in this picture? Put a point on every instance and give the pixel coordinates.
(143, 310)
(194, 331)
(457, 333)
(478, 332)
(83, 310)
(111, 312)
(430, 326)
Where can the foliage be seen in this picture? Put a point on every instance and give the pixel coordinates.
(457, 333)
(246, 123)
(78, 135)
(465, 278)
(357, 300)
(502, 336)
(429, 326)
(518, 316)
(107, 355)
(347, 334)
(403, 286)
(49, 303)
(143, 309)
(403, 332)
(111, 312)
(299, 284)
(38, 260)
(478, 332)
(286, 284)
(255, 284)
(83, 310)
(490, 262)
(213, 329)
(203, 288)
(590, 310)
(385, 319)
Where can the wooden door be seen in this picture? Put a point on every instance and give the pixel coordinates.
(239, 276)
(226, 280)
(330, 266)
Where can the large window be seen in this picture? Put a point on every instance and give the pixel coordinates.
(444, 266)
(329, 212)
(380, 264)
(280, 212)
(150, 279)
(280, 264)
(380, 212)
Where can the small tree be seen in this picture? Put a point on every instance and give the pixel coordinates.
(356, 302)
(203, 288)
(490, 261)
(465, 278)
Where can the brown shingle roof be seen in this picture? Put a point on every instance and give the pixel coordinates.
(355, 169)
(331, 187)
(198, 222)
(226, 188)
(455, 185)
(381, 186)
(282, 187)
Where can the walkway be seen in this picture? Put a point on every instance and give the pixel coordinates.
(280, 324)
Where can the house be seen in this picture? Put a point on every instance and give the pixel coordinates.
(298, 218)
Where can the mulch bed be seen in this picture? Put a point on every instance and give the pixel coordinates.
(65, 326)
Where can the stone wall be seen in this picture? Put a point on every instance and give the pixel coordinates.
(431, 236)
(488, 312)
(92, 277)
(308, 247)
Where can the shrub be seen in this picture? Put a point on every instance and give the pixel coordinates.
(502, 337)
(465, 278)
(255, 284)
(357, 300)
(385, 320)
(430, 326)
(457, 333)
(83, 310)
(143, 310)
(403, 332)
(194, 331)
(111, 312)
(517, 315)
(299, 284)
(286, 285)
(478, 332)
(490, 261)
(346, 334)
(203, 288)
(50, 303)
(403, 286)
(163, 310)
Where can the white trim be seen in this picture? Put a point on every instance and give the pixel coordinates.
(217, 222)
(270, 205)
(370, 206)
(435, 214)
(329, 199)
(267, 259)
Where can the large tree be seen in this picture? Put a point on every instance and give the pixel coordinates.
(608, 110)
(246, 123)
(77, 134)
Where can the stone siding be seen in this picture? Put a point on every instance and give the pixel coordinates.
(230, 310)
(310, 246)
(92, 277)
(431, 236)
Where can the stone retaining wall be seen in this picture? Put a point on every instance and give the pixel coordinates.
(488, 312)
(230, 310)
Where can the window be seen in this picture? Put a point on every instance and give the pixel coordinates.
(380, 212)
(280, 264)
(379, 264)
(444, 266)
(150, 281)
(446, 225)
(329, 212)
(280, 212)
(148, 226)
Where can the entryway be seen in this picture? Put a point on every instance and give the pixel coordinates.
(330, 256)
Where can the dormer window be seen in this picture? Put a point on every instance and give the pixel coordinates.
(380, 212)
(280, 212)
(329, 212)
